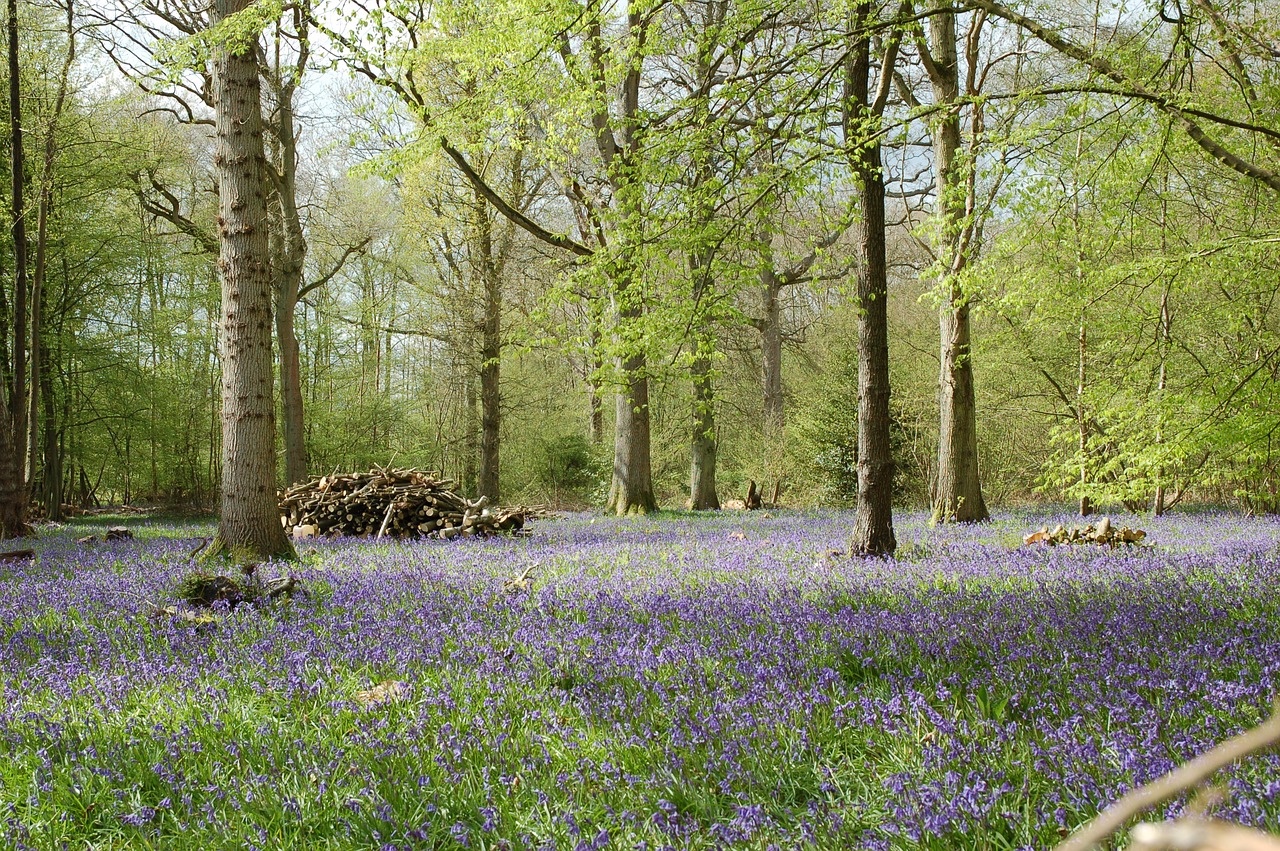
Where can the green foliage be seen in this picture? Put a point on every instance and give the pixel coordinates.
(826, 438)
(569, 463)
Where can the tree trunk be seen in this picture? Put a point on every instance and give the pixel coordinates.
(292, 255)
(1165, 338)
(771, 350)
(53, 452)
(38, 299)
(702, 485)
(471, 441)
(17, 406)
(595, 408)
(594, 366)
(13, 491)
(249, 525)
(959, 491)
(632, 489)
(295, 450)
(873, 527)
(490, 354)
(1082, 419)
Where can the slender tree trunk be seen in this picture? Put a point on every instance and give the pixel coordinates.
(490, 354)
(702, 484)
(471, 443)
(37, 331)
(295, 451)
(873, 527)
(38, 299)
(53, 452)
(595, 404)
(595, 409)
(1082, 419)
(18, 391)
(292, 255)
(771, 350)
(959, 490)
(249, 525)
(1164, 339)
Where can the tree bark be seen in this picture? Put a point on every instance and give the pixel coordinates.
(52, 490)
(702, 484)
(873, 527)
(471, 424)
(1082, 419)
(490, 354)
(771, 349)
(959, 492)
(632, 489)
(13, 491)
(292, 255)
(38, 298)
(595, 411)
(18, 230)
(249, 525)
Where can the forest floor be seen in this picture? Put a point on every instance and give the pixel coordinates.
(690, 682)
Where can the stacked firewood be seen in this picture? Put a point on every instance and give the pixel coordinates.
(1104, 533)
(388, 502)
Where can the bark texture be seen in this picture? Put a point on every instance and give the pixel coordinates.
(249, 525)
(702, 477)
(489, 483)
(873, 528)
(958, 496)
(18, 232)
(771, 349)
(291, 256)
(13, 491)
(290, 248)
(632, 489)
(13, 411)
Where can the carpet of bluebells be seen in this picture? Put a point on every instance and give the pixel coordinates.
(675, 682)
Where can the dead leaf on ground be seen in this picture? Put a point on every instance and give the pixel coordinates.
(387, 691)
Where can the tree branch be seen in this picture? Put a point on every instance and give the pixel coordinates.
(1103, 66)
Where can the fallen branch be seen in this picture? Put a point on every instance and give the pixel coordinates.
(1194, 834)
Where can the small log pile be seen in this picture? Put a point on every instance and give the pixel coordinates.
(398, 503)
(1104, 534)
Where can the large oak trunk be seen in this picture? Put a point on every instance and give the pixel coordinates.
(958, 496)
(249, 525)
(873, 528)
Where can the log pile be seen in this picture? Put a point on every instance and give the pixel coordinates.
(1104, 533)
(387, 502)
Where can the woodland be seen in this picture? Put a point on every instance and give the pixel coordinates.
(376, 378)
(641, 255)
